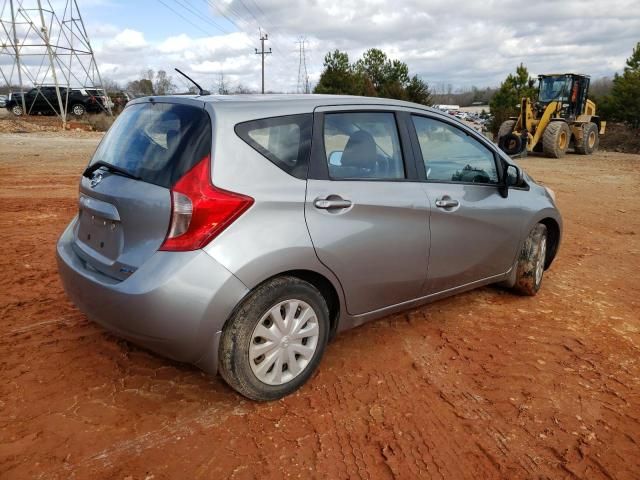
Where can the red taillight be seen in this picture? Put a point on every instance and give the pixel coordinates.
(200, 211)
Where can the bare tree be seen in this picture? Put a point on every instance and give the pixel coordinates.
(163, 84)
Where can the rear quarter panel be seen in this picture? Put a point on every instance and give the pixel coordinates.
(272, 236)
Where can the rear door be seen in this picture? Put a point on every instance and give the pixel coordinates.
(123, 219)
(474, 230)
(366, 213)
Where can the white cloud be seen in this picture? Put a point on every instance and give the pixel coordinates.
(127, 39)
(463, 43)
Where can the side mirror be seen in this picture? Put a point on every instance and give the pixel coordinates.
(512, 178)
(335, 158)
(512, 175)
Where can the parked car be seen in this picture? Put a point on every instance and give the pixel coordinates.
(98, 99)
(44, 100)
(119, 100)
(242, 233)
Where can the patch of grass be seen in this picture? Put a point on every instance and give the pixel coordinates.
(100, 122)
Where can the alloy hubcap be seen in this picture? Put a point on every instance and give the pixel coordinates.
(77, 110)
(542, 255)
(283, 342)
(592, 139)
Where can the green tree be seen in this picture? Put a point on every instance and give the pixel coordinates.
(506, 102)
(338, 76)
(373, 75)
(623, 103)
(418, 91)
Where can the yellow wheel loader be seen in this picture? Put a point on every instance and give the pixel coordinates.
(561, 117)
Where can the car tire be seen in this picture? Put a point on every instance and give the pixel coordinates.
(78, 109)
(17, 110)
(259, 341)
(555, 139)
(531, 262)
(590, 139)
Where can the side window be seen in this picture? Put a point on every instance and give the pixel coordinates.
(363, 145)
(285, 141)
(450, 155)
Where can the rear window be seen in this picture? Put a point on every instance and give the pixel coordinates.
(285, 141)
(158, 142)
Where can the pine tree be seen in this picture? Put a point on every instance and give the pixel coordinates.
(623, 103)
(506, 102)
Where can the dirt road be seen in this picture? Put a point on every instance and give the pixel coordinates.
(484, 385)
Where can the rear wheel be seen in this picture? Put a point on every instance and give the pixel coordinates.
(78, 109)
(555, 139)
(590, 139)
(17, 110)
(505, 129)
(531, 262)
(275, 340)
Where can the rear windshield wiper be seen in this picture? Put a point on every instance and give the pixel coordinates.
(108, 166)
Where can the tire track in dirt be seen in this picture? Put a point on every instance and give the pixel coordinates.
(483, 385)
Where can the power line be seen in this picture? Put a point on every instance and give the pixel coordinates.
(186, 19)
(199, 16)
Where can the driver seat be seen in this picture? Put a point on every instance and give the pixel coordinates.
(359, 156)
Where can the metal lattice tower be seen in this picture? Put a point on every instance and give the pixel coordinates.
(38, 46)
(303, 76)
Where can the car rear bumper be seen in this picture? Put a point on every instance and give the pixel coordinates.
(175, 304)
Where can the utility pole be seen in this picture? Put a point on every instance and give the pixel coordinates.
(262, 52)
(303, 75)
(17, 51)
(51, 54)
(47, 48)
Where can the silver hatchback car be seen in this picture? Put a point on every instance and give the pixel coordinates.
(240, 234)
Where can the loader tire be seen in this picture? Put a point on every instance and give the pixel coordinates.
(590, 139)
(555, 139)
(505, 129)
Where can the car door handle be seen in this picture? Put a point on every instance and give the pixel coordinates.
(446, 202)
(331, 203)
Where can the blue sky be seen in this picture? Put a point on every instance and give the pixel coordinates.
(156, 20)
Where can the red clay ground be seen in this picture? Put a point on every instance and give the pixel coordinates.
(483, 385)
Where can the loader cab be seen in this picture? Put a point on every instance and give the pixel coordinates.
(568, 88)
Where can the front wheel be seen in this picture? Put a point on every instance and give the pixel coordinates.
(531, 262)
(275, 340)
(17, 110)
(555, 139)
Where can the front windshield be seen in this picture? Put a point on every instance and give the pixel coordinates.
(553, 88)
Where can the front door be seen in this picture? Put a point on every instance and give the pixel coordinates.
(366, 212)
(474, 230)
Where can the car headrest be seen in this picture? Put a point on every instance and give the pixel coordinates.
(360, 150)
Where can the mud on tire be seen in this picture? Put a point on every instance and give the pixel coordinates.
(531, 262)
(234, 359)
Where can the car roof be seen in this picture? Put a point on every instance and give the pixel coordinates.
(241, 108)
(309, 100)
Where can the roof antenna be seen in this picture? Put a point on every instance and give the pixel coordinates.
(202, 91)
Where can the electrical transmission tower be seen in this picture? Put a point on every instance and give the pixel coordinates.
(303, 76)
(39, 46)
(262, 52)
